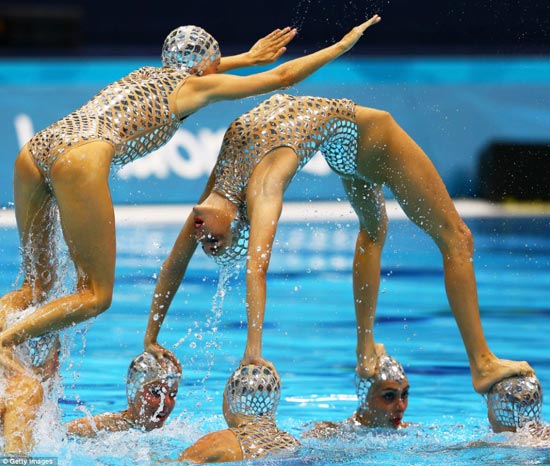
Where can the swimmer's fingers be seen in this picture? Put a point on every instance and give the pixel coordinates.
(355, 34)
(372, 21)
(279, 37)
(380, 349)
(257, 362)
(368, 365)
(158, 351)
(271, 47)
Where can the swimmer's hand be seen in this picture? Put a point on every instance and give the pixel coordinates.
(257, 361)
(368, 366)
(269, 48)
(158, 351)
(355, 34)
(11, 363)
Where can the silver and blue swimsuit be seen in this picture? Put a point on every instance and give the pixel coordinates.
(132, 114)
(305, 124)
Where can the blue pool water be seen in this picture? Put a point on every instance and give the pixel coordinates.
(310, 336)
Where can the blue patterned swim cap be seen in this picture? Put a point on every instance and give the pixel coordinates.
(388, 369)
(514, 402)
(145, 368)
(238, 249)
(253, 391)
(189, 48)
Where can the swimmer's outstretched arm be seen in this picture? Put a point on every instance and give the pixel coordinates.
(267, 50)
(264, 206)
(170, 277)
(199, 91)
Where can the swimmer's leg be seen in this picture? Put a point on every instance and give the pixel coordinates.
(24, 395)
(389, 155)
(33, 208)
(368, 202)
(81, 189)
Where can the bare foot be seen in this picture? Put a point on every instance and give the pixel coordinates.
(495, 370)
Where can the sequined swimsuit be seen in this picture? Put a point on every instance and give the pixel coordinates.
(262, 437)
(132, 114)
(305, 124)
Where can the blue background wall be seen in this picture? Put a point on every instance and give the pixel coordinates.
(452, 106)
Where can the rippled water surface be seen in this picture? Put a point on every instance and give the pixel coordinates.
(310, 336)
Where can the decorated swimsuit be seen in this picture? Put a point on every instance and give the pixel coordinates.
(132, 114)
(305, 124)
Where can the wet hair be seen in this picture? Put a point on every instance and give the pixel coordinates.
(253, 391)
(189, 48)
(388, 369)
(515, 402)
(238, 249)
(145, 368)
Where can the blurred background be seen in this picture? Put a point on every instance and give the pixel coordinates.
(470, 81)
(99, 27)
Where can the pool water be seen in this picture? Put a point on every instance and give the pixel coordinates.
(310, 336)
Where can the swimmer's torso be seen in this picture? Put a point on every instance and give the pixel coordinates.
(305, 124)
(262, 437)
(132, 114)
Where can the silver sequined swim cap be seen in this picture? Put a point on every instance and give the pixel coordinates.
(189, 48)
(253, 391)
(145, 368)
(238, 249)
(515, 401)
(388, 369)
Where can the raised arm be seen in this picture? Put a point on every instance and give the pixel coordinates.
(267, 50)
(199, 91)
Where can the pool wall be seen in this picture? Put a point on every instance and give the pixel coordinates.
(453, 107)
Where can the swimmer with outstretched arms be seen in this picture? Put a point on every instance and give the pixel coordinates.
(65, 167)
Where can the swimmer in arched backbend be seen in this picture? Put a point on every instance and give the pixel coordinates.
(239, 211)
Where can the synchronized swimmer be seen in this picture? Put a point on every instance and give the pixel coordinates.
(64, 170)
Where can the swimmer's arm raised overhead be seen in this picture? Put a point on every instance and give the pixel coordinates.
(266, 50)
(198, 92)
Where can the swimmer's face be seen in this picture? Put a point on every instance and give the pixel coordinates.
(387, 403)
(154, 402)
(495, 425)
(212, 229)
